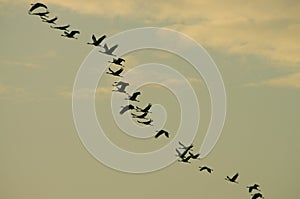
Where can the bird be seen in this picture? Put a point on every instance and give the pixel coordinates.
(194, 156)
(117, 61)
(96, 42)
(256, 195)
(65, 27)
(149, 122)
(41, 14)
(120, 86)
(52, 21)
(253, 187)
(186, 150)
(142, 116)
(232, 179)
(109, 51)
(162, 132)
(116, 73)
(146, 109)
(71, 34)
(133, 96)
(209, 170)
(126, 108)
(35, 6)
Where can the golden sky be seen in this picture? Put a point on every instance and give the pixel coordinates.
(256, 47)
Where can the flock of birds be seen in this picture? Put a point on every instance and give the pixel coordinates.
(184, 153)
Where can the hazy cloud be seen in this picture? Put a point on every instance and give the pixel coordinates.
(288, 81)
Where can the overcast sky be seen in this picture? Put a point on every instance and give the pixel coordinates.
(254, 44)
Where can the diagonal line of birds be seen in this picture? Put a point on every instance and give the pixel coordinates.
(141, 115)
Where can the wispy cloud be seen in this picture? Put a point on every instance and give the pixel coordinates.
(265, 28)
(86, 93)
(288, 81)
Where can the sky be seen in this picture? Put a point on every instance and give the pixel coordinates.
(255, 46)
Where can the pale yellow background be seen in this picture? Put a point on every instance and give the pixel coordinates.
(256, 46)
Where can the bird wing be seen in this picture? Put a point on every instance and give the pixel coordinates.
(112, 49)
(111, 70)
(53, 19)
(101, 38)
(94, 38)
(124, 109)
(105, 48)
(74, 32)
(235, 177)
(118, 72)
(167, 134)
(37, 5)
(178, 152)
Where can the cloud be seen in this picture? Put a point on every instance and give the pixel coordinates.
(265, 28)
(288, 81)
(86, 93)
(11, 92)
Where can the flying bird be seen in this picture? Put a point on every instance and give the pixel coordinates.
(182, 155)
(133, 96)
(35, 6)
(149, 122)
(120, 86)
(51, 21)
(145, 110)
(194, 156)
(256, 195)
(61, 27)
(161, 132)
(205, 168)
(142, 116)
(232, 179)
(109, 51)
(97, 42)
(41, 14)
(253, 187)
(126, 108)
(71, 34)
(117, 61)
(116, 73)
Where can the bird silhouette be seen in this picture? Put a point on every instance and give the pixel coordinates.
(162, 132)
(133, 96)
(109, 51)
(116, 73)
(120, 86)
(149, 122)
(97, 42)
(142, 116)
(145, 110)
(253, 187)
(205, 168)
(71, 34)
(186, 150)
(35, 6)
(194, 156)
(65, 27)
(51, 21)
(117, 61)
(256, 195)
(41, 14)
(233, 178)
(126, 108)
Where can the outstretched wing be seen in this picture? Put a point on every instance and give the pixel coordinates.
(36, 6)
(112, 49)
(235, 177)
